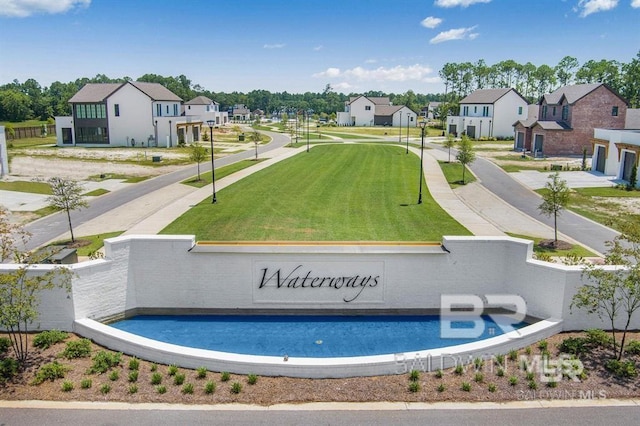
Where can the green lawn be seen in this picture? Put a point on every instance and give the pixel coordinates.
(453, 173)
(333, 193)
(205, 178)
(575, 250)
(26, 186)
(97, 241)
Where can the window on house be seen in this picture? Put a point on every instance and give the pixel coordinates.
(565, 112)
(553, 112)
(519, 110)
(167, 109)
(465, 110)
(175, 109)
(614, 111)
(367, 107)
(159, 110)
(116, 110)
(475, 109)
(485, 111)
(544, 112)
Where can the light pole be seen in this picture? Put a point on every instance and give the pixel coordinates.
(400, 127)
(309, 111)
(213, 174)
(423, 125)
(408, 114)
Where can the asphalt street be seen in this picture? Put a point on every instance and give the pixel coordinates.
(601, 415)
(499, 182)
(52, 226)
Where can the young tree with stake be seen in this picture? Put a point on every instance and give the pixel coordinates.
(554, 200)
(67, 196)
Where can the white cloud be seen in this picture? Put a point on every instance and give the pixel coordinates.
(635, 3)
(455, 34)
(380, 74)
(342, 86)
(24, 8)
(370, 61)
(319, 47)
(274, 46)
(431, 22)
(587, 7)
(456, 3)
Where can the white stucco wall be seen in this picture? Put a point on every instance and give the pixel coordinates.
(507, 110)
(614, 155)
(171, 274)
(134, 121)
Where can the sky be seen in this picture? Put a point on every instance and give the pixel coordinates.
(301, 46)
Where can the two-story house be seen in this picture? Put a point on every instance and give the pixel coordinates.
(488, 113)
(567, 118)
(375, 111)
(205, 109)
(121, 114)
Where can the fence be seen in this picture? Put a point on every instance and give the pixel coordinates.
(29, 132)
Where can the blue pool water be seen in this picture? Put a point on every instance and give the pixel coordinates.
(306, 336)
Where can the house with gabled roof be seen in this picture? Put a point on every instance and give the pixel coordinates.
(375, 111)
(122, 114)
(488, 113)
(567, 117)
(206, 109)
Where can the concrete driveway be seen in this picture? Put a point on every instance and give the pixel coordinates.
(535, 179)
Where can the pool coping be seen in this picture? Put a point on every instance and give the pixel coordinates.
(338, 367)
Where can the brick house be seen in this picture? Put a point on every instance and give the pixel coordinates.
(567, 117)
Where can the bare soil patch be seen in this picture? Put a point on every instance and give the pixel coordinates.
(557, 245)
(597, 384)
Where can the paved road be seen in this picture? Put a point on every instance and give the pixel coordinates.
(611, 415)
(52, 226)
(522, 198)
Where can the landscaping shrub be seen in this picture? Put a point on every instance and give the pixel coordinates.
(236, 387)
(533, 385)
(105, 389)
(513, 380)
(209, 387)
(133, 389)
(633, 348)
(67, 386)
(156, 378)
(134, 364)
(439, 374)
(49, 338)
(178, 379)
(173, 369)
(201, 372)
(492, 387)
(103, 361)
(414, 387)
(441, 388)
(114, 375)
(252, 379)
(500, 372)
(513, 355)
(598, 337)
(51, 371)
(478, 378)
(161, 389)
(8, 369)
(225, 376)
(187, 389)
(459, 370)
(86, 383)
(77, 349)
(573, 345)
(5, 344)
(414, 375)
(543, 345)
(133, 376)
(622, 369)
(466, 386)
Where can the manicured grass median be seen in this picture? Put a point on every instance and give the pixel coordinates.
(332, 193)
(453, 173)
(25, 186)
(576, 250)
(205, 178)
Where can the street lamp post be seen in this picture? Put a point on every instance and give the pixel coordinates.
(309, 111)
(400, 127)
(423, 125)
(408, 115)
(213, 174)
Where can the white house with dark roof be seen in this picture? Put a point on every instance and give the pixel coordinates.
(488, 113)
(206, 109)
(123, 114)
(616, 152)
(375, 111)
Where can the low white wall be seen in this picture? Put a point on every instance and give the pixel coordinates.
(173, 274)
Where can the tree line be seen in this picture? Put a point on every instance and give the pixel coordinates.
(29, 100)
(533, 81)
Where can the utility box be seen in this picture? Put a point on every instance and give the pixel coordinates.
(156, 158)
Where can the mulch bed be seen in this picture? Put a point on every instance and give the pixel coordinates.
(599, 383)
